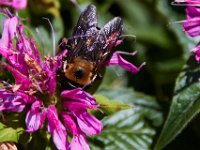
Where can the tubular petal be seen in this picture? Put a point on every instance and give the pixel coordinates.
(56, 128)
(88, 123)
(116, 59)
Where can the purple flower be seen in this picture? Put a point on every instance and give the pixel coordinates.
(192, 24)
(56, 128)
(34, 91)
(194, 2)
(85, 123)
(35, 82)
(16, 4)
(196, 51)
(116, 59)
(79, 141)
(14, 101)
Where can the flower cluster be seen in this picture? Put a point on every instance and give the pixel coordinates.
(35, 90)
(192, 24)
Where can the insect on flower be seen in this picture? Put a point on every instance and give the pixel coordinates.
(90, 49)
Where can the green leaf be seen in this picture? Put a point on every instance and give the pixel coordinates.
(108, 106)
(132, 128)
(2, 125)
(10, 134)
(185, 104)
(126, 130)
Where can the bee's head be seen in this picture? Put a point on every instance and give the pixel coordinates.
(79, 71)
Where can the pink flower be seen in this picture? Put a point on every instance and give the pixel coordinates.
(16, 4)
(194, 2)
(79, 141)
(85, 123)
(196, 51)
(35, 82)
(78, 107)
(35, 87)
(116, 59)
(192, 24)
(56, 128)
(35, 91)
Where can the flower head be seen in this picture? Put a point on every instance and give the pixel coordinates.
(34, 90)
(188, 2)
(192, 24)
(196, 51)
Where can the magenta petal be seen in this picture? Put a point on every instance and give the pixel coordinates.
(192, 27)
(79, 142)
(9, 31)
(195, 2)
(27, 49)
(73, 105)
(16, 4)
(79, 95)
(70, 123)
(196, 51)
(116, 59)
(14, 102)
(88, 123)
(35, 51)
(34, 118)
(56, 128)
(51, 82)
(20, 78)
(19, 4)
(192, 12)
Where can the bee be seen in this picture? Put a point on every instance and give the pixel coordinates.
(89, 48)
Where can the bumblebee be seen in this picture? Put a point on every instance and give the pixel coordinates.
(89, 48)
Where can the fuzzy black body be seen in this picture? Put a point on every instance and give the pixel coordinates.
(90, 47)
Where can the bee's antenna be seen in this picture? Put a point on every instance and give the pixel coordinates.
(129, 35)
(76, 5)
(52, 35)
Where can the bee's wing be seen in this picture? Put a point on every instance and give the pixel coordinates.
(108, 37)
(85, 28)
(87, 21)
